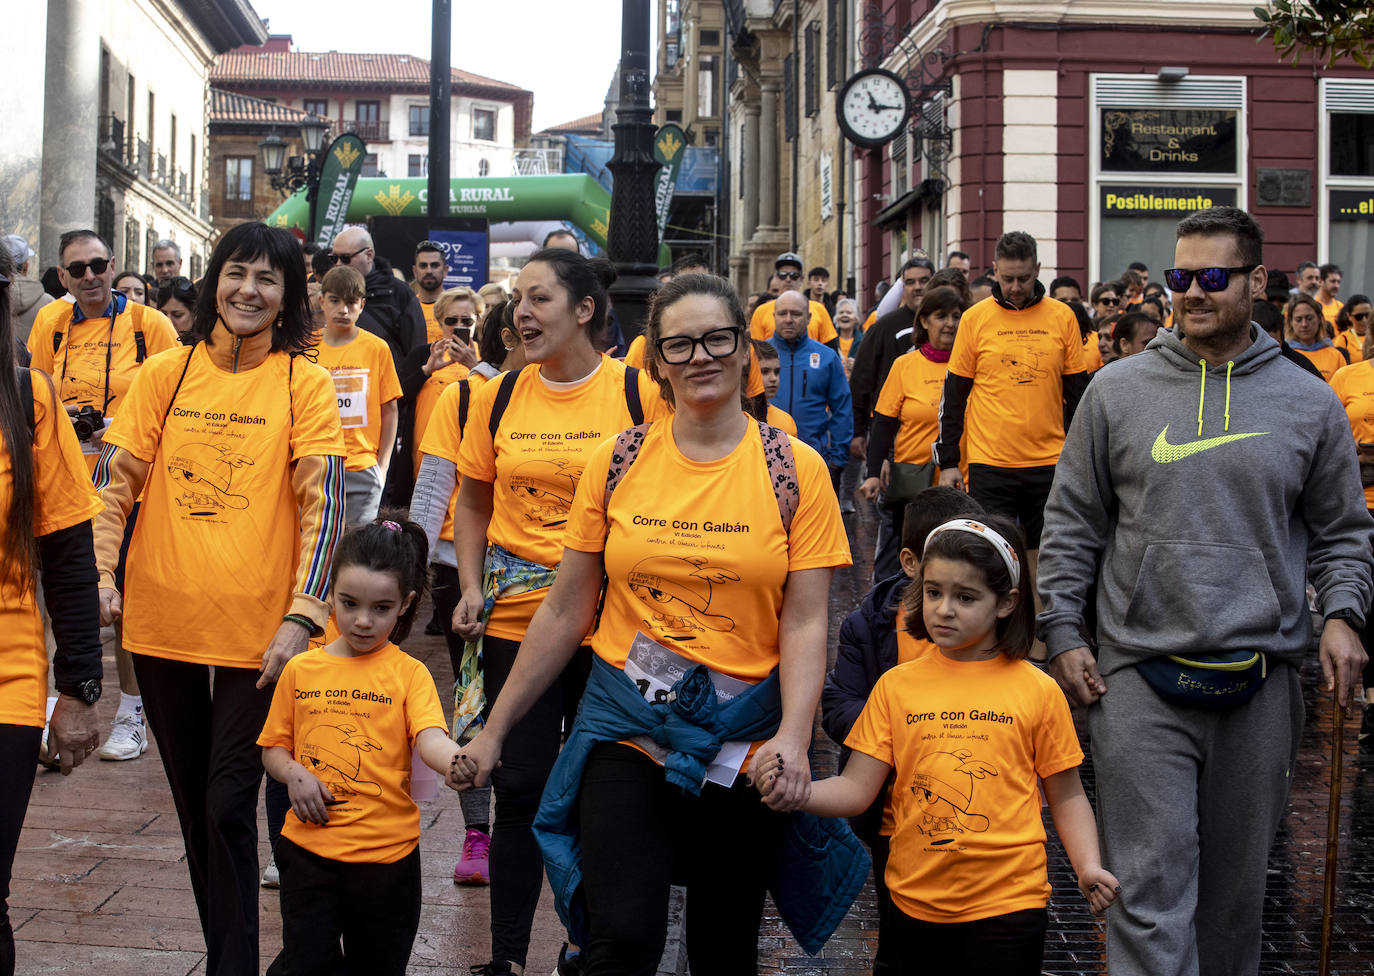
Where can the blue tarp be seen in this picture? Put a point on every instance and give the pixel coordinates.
(699, 173)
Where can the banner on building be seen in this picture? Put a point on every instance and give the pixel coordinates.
(1150, 140)
(827, 186)
(669, 144)
(343, 162)
(1352, 204)
(1156, 201)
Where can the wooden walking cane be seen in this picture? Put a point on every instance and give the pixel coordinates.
(1333, 832)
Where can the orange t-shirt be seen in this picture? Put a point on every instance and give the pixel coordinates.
(1092, 353)
(1352, 342)
(966, 741)
(432, 329)
(1327, 359)
(536, 460)
(1017, 361)
(634, 356)
(444, 436)
(695, 553)
(62, 497)
(1331, 309)
(352, 722)
(364, 376)
(218, 505)
(911, 394)
(78, 365)
(1354, 386)
(428, 399)
(820, 327)
(846, 345)
(782, 420)
(908, 649)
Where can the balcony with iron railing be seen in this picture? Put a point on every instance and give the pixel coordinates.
(536, 162)
(370, 130)
(112, 144)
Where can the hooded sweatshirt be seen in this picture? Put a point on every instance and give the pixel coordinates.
(26, 298)
(1207, 497)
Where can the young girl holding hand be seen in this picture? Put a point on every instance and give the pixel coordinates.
(339, 735)
(968, 732)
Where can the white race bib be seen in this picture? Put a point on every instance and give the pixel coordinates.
(350, 387)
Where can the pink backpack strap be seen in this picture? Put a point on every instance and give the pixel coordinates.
(627, 445)
(782, 472)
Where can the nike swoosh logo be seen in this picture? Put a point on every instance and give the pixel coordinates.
(1164, 452)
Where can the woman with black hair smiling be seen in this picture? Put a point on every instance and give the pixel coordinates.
(233, 444)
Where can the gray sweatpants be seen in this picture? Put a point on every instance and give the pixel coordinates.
(1189, 801)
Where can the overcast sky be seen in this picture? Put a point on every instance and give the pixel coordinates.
(564, 52)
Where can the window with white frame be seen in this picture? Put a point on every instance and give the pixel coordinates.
(1346, 205)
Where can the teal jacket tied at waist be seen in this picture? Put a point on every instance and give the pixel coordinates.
(821, 866)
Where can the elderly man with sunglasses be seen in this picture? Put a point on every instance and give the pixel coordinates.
(92, 348)
(392, 312)
(1203, 482)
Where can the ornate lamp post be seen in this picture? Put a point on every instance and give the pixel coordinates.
(290, 175)
(633, 237)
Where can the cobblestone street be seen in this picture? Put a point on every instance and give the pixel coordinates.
(101, 886)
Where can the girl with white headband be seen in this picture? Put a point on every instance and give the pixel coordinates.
(968, 734)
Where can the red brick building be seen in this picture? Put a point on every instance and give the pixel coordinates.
(1095, 126)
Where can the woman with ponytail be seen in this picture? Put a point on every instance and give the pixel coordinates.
(236, 449)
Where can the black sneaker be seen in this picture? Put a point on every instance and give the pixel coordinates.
(573, 965)
(492, 968)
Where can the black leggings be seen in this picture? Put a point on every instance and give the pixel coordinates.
(208, 740)
(527, 756)
(18, 747)
(445, 593)
(640, 835)
(373, 908)
(1004, 945)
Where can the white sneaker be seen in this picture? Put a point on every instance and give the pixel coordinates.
(271, 878)
(128, 739)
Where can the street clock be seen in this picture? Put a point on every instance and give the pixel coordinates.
(873, 107)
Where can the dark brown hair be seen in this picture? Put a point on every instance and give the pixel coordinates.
(933, 302)
(344, 283)
(668, 295)
(380, 548)
(1015, 632)
(20, 559)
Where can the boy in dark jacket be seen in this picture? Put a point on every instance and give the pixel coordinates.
(869, 645)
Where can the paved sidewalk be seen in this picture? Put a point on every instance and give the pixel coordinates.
(101, 886)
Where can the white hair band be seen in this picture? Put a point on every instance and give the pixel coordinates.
(1003, 547)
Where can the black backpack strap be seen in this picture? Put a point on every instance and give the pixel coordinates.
(782, 472)
(464, 398)
(26, 398)
(632, 396)
(177, 389)
(56, 341)
(140, 346)
(503, 394)
(627, 445)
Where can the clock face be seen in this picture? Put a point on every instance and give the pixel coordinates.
(873, 107)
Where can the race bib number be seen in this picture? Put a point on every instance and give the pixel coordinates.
(350, 386)
(655, 669)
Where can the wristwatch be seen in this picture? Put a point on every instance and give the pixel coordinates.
(1349, 616)
(87, 691)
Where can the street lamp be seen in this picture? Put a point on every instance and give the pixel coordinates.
(289, 176)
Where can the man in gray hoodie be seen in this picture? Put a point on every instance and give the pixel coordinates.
(26, 295)
(1194, 521)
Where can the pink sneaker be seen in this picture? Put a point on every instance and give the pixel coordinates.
(472, 868)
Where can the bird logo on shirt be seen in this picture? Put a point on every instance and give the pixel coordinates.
(679, 590)
(334, 753)
(548, 485)
(943, 788)
(205, 473)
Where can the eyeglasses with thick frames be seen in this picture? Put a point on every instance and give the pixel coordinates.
(718, 343)
(77, 269)
(1208, 279)
(789, 275)
(336, 258)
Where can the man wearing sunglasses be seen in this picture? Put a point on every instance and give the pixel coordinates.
(392, 311)
(787, 272)
(1203, 482)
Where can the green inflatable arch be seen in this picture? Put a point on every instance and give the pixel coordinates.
(574, 197)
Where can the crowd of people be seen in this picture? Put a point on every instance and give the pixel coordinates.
(255, 479)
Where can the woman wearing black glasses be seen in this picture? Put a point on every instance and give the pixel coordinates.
(718, 536)
(1106, 298)
(1352, 327)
